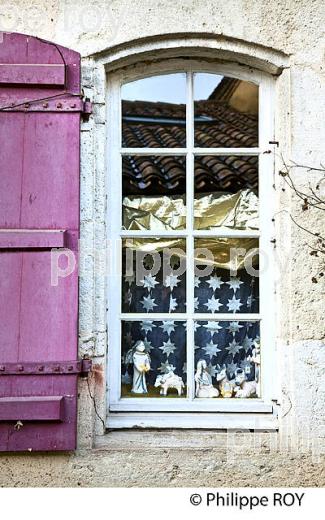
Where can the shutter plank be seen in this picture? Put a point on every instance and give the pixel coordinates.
(31, 239)
(40, 187)
(50, 196)
(44, 435)
(32, 74)
(48, 323)
(11, 165)
(48, 408)
(10, 278)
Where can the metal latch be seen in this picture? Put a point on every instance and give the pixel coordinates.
(87, 109)
(85, 368)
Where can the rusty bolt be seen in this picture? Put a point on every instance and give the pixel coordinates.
(57, 368)
(2, 369)
(70, 368)
(41, 368)
(59, 105)
(73, 105)
(21, 368)
(45, 105)
(26, 105)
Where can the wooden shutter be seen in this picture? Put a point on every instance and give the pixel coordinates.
(40, 107)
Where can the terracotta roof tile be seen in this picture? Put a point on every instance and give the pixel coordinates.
(161, 125)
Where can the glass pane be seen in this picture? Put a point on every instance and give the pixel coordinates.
(226, 275)
(225, 112)
(226, 192)
(154, 193)
(153, 360)
(154, 112)
(227, 359)
(154, 275)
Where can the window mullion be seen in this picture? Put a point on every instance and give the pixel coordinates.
(190, 239)
(114, 220)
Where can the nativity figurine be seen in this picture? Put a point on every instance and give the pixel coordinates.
(226, 387)
(169, 380)
(256, 359)
(141, 365)
(243, 387)
(203, 381)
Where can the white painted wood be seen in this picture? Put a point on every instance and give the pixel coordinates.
(153, 234)
(267, 248)
(115, 233)
(178, 404)
(172, 65)
(114, 185)
(182, 316)
(224, 233)
(183, 151)
(227, 151)
(190, 239)
(226, 421)
(153, 151)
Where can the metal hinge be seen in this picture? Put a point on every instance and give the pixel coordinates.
(65, 103)
(81, 367)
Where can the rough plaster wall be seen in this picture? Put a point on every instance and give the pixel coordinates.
(170, 459)
(296, 28)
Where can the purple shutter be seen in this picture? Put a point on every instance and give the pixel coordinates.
(40, 108)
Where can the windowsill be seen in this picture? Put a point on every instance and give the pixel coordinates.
(215, 421)
(124, 440)
(135, 405)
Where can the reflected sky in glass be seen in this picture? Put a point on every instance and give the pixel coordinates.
(205, 84)
(167, 88)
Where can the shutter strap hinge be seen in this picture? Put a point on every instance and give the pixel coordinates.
(65, 103)
(81, 367)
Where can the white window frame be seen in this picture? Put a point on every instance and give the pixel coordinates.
(191, 412)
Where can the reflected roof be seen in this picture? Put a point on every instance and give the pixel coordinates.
(217, 124)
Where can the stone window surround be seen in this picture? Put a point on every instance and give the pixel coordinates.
(95, 70)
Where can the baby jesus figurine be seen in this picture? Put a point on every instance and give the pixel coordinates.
(141, 365)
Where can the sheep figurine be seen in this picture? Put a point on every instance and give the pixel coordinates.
(243, 387)
(169, 380)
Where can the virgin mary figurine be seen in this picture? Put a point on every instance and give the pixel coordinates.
(203, 381)
(141, 365)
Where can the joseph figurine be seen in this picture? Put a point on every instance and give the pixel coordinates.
(141, 365)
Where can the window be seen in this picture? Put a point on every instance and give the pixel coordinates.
(189, 217)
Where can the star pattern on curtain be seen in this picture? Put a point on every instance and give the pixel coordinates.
(221, 343)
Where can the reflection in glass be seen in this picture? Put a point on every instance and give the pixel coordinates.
(154, 192)
(226, 275)
(226, 192)
(231, 351)
(164, 352)
(154, 112)
(153, 275)
(225, 112)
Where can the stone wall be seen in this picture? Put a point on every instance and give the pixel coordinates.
(285, 39)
